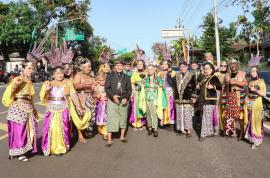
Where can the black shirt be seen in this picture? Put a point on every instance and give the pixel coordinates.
(118, 84)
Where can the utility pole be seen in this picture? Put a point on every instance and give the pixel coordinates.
(216, 33)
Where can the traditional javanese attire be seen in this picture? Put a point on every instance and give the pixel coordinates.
(136, 117)
(117, 84)
(169, 111)
(89, 104)
(101, 110)
(233, 100)
(185, 90)
(208, 105)
(56, 124)
(129, 72)
(254, 131)
(221, 107)
(22, 124)
(153, 100)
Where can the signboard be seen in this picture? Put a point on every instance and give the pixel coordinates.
(80, 36)
(172, 33)
(122, 51)
(70, 35)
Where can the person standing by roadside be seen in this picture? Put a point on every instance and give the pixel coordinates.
(257, 90)
(185, 88)
(208, 97)
(235, 81)
(118, 89)
(22, 115)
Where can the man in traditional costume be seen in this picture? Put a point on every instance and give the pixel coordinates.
(22, 115)
(118, 89)
(185, 88)
(84, 84)
(195, 69)
(153, 99)
(208, 57)
(128, 68)
(234, 94)
(136, 117)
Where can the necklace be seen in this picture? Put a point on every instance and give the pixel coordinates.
(183, 77)
(119, 80)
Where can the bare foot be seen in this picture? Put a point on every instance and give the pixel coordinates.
(109, 144)
(105, 137)
(82, 140)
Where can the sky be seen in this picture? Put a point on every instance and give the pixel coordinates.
(125, 23)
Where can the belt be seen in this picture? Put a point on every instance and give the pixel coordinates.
(234, 90)
(23, 97)
(56, 98)
(82, 92)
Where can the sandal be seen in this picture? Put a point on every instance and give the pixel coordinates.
(23, 158)
(123, 140)
(105, 137)
(11, 157)
(108, 144)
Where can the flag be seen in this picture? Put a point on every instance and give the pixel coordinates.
(184, 47)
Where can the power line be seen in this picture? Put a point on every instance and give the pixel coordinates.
(187, 9)
(183, 9)
(193, 10)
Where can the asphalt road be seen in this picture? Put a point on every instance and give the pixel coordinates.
(168, 156)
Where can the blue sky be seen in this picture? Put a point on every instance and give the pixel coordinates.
(127, 22)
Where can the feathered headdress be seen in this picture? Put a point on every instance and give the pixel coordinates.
(140, 54)
(59, 56)
(37, 52)
(105, 55)
(164, 51)
(67, 54)
(254, 60)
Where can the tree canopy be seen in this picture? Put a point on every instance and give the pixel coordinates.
(23, 22)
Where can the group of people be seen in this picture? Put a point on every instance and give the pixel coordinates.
(146, 96)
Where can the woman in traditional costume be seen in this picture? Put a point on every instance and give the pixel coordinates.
(169, 112)
(22, 115)
(137, 118)
(58, 95)
(84, 84)
(257, 90)
(223, 71)
(100, 94)
(167, 74)
(208, 97)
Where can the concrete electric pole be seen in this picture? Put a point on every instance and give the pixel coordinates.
(216, 33)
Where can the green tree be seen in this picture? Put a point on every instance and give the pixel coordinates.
(15, 27)
(23, 22)
(207, 40)
(130, 56)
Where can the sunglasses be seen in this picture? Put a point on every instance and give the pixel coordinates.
(223, 65)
